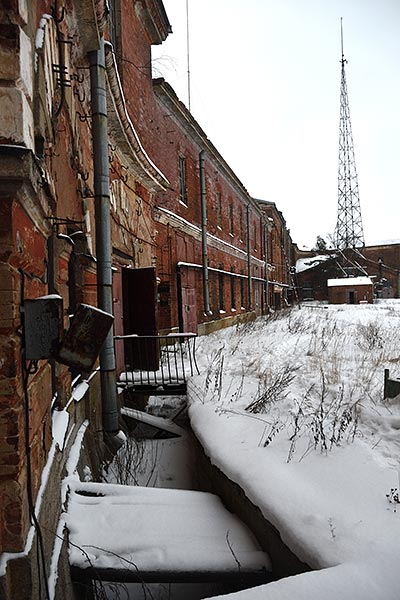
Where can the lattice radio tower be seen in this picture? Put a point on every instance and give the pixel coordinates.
(349, 230)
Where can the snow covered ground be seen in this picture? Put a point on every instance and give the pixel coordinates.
(291, 408)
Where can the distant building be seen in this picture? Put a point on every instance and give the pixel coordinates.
(380, 262)
(280, 256)
(350, 290)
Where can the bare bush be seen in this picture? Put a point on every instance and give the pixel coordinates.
(272, 388)
(329, 422)
(369, 336)
(296, 323)
(214, 374)
(127, 464)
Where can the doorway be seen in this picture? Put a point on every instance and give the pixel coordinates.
(135, 312)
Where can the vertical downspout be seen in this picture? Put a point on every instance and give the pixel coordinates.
(266, 265)
(206, 292)
(51, 287)
(103, 232)
(249, 282)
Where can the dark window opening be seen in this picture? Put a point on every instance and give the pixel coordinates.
(182, 180)
(219, 209)
(308, 292)
(241, 232)
(221, 289)
(233, 289)
(231, 218)
(242, 293)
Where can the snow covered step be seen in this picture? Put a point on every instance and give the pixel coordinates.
(128, 533)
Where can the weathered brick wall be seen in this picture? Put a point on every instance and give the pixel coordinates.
(23, 265)
(46, 198)
(227, 203)
(45, 158)
(280, 255)
(350, 294)
(167, 136)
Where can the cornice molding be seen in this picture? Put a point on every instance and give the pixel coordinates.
(124, 133)
(154, 18)
(168, 97)
(169, 218)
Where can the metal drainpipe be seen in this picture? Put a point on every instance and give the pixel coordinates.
(266, 264)
(206, 292)
(249, 282)
(103, 233)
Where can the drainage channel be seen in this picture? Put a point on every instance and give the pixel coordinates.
(159, 452)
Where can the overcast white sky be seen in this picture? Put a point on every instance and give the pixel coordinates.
(265, 87)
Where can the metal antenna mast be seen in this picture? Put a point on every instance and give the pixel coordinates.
(188, 52)
(349, 230)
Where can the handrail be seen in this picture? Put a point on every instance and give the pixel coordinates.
(158, 363)
(156, 337)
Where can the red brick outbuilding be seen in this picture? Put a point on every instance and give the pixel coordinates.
(351, 290)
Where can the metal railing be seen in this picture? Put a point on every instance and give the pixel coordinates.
(158, 363)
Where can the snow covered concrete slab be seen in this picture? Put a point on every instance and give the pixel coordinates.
(158, 534)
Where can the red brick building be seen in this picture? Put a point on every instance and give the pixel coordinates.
(211, 233)
(380, 262)
(152, 221)
(280, 253)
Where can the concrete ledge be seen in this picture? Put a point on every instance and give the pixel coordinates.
(211, 479)
(211, 326)
(130, 575)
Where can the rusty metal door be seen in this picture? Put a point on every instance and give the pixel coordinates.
(118, 316)
(189, 310)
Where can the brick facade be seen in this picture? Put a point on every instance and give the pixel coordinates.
(350, 290)
(165, 255)
(281, 288)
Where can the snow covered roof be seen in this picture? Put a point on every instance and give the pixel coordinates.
(383, 243)
(346, 281)
(302, 264)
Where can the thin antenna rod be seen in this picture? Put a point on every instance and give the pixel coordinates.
(341, 38)
(187, 52)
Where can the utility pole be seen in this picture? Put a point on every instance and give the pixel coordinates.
(349, 230)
